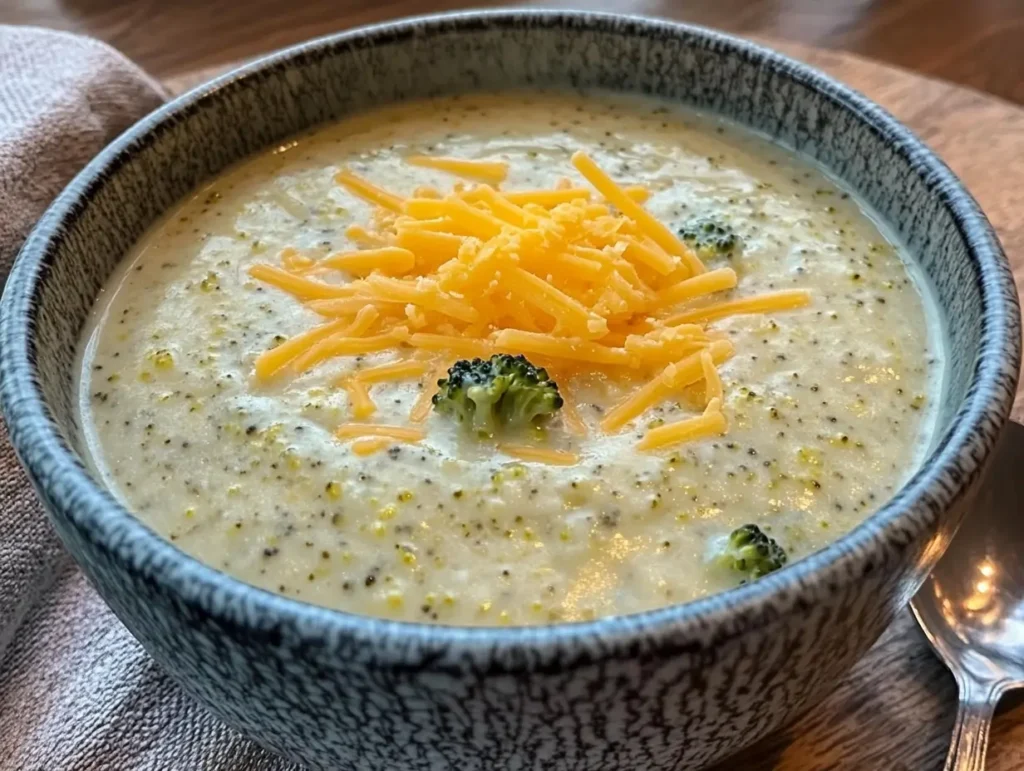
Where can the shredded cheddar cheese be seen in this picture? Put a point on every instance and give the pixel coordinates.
(673, 378)
(294, 261)
(655, 230)
(356, 430)
(489, 171)
(576, 277)
(370, 445)
(777, 301)
(355, 384)
(463, 346)
(566, 311)
(359, 398)
(303, 288)
(368, 191)
(363, 237)
(698, 286)
(712, 380)
(431, 248)
(349, 346)
(346, 306)
(649, 254)
(393, 371)
(392, 260)
(270, 362)
(573, 348)
(711, 423)
(540, 454)
(421, 408)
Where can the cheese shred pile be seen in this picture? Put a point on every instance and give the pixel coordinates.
(576, 278)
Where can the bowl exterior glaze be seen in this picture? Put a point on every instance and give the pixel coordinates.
(669, 689)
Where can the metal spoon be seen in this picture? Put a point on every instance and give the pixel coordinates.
(971, 608)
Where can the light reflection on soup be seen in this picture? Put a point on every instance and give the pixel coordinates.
(829, 406)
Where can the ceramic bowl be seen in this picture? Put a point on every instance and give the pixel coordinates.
(672, 688)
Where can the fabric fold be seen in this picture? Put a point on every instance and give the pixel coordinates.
(76, 689)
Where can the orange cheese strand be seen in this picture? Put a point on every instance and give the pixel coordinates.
(359, 398)
(345, 306)
(270, 362)
(303, 288)
(430, 247)
(500, 206)
(698, 286)
(368, 191)
(489, 171)
(391, 260)
(638, 193)
(370, 445)
(475, 222)
(712, 380)
(421, 409)
(657, 231)
(344, 345)
(578, 267)
(463, 346)
(362, 322)
(650, 255)
(357, 430)
(789, 299)
(396, 370)
(566, 311)
(711, 423)
(427, 296)
(294, 261)
(659, 353)
(540, 454)
(435, 225)
(363, 237)
(577, 349)
(673, 378)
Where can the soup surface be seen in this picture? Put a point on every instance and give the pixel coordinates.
(828, 406)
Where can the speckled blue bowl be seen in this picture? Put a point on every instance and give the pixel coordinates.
(673, 688)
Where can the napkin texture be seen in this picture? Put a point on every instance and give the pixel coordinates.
(77, 692)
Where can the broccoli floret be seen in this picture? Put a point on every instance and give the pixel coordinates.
(750, 552)
(501, 393)
(709, 236)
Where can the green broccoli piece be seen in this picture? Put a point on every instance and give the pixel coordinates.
(709, 236)
(504, 392)
(750, 552)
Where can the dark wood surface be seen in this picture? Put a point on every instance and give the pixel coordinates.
(895, 710)
(971, 42)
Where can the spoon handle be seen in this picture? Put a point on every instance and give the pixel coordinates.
(970, 732)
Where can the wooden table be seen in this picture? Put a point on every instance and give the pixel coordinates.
(971, 42)
(895, 711)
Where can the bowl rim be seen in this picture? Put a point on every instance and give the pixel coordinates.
(953, 464)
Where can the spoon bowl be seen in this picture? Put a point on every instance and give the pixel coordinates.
(971, 607)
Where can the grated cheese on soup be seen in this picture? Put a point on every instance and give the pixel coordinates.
(733, 339)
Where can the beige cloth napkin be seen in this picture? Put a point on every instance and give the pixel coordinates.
(77, 692)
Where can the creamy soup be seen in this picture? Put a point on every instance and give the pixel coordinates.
(824, 410)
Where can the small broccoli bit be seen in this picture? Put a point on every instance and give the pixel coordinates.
(709, 236)
(498, 394)
(750, 552)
